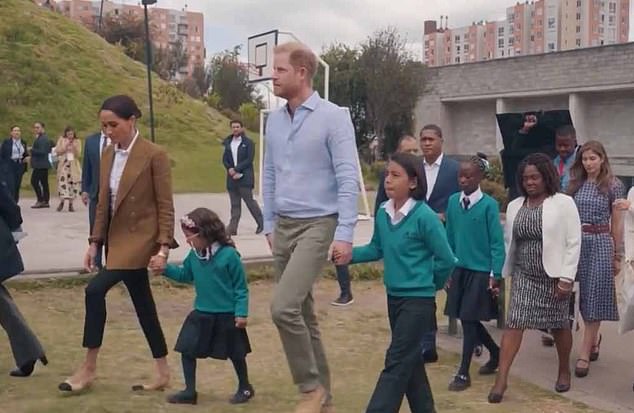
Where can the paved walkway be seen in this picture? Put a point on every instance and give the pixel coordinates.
(58, 241)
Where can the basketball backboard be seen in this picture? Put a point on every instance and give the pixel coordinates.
(261, 55)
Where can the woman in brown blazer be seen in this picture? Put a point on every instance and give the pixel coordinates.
(135, 221)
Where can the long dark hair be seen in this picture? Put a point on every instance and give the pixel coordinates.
(578, 174)
(121, 105)
(413, 166)
(208, 225)
(546, 169)
(70, 129)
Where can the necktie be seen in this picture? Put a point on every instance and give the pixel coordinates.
(562, 167)
(466, 202)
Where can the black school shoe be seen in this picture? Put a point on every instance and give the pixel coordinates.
(430, 356)
(459, 383)
(183, 397)
(243, 395)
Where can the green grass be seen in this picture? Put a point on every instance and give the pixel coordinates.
(54, 70)
(355, 337)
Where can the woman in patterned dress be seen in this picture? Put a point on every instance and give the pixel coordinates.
(67, 150)
(543, 241)
(595, 189)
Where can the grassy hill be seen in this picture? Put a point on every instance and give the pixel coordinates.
(55, 71)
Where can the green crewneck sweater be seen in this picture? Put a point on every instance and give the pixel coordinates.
(416, 255)
(220, 283)
(476, 234)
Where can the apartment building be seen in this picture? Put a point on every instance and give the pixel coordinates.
(169, 25)
(534, 27)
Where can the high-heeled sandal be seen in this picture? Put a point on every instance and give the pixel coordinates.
(582, 371)
(26, 369)
(594, 355)
(494, 397)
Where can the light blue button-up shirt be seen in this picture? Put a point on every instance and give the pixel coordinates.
(310, 165)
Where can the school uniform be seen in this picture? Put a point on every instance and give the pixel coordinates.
(417, 262)
(476, 236)
(221, 295)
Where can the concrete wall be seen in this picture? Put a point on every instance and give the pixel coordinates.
(595, 84)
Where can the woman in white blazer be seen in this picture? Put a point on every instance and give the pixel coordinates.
(543, 242)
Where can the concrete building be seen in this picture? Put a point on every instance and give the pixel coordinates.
(464, 99)
(169, 25)
(541, 26)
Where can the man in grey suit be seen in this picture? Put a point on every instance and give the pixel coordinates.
(25, 346)
(238, 161)
(93, 148)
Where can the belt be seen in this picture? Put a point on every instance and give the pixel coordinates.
(595, 228)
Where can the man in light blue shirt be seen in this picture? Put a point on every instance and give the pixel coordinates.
(310, 190)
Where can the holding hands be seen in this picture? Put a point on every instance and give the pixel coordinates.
(340, 252)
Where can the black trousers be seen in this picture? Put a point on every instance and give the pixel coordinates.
(16, 169)
(236, 195)
(138, 284)
(404, 373)
(39, 181)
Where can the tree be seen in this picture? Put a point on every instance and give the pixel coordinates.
(202, 76)
(230, 80)
(393, 83)
(167, 62)
(127, 31)
(346, 86)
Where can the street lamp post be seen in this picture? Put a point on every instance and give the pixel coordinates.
(100, 16)
(148, 62)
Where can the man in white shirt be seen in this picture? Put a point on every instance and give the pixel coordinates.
(94, 147)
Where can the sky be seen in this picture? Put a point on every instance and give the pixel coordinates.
(320, 23)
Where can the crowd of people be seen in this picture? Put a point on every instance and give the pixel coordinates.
(434, 229)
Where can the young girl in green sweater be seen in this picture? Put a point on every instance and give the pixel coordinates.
(216, 327)
(475, 234)
(412, 242)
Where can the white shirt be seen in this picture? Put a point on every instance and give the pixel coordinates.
(431, 173)
(235, 143)
(17, 150)
(118, 165)
(398, 216)
(474, 197)
(101, 141)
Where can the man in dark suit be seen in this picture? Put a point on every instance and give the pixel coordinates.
(93, 148)
(14, 154)
(238, 160)
(40, 164)
(441, 173)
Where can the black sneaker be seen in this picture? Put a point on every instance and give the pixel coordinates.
(459, 383)
(343, 300)
(243, 395)
(183, 397)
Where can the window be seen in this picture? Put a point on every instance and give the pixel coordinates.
(532, 38)
(578, 29)
(502, 53)
(457, 60)
(511, 40)
(578, 3)
(611, 20)
(500, 31)
(578, 16)
(612, 7)
(602, 18)
(578, 42)
(551, 47)
(457, 39)
(601, 30)
(466, 48)
(500, 43)
(551, 22)
(458, 49)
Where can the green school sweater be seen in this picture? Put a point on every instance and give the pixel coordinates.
(416, 255)
(475, 235)
(220, 283)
